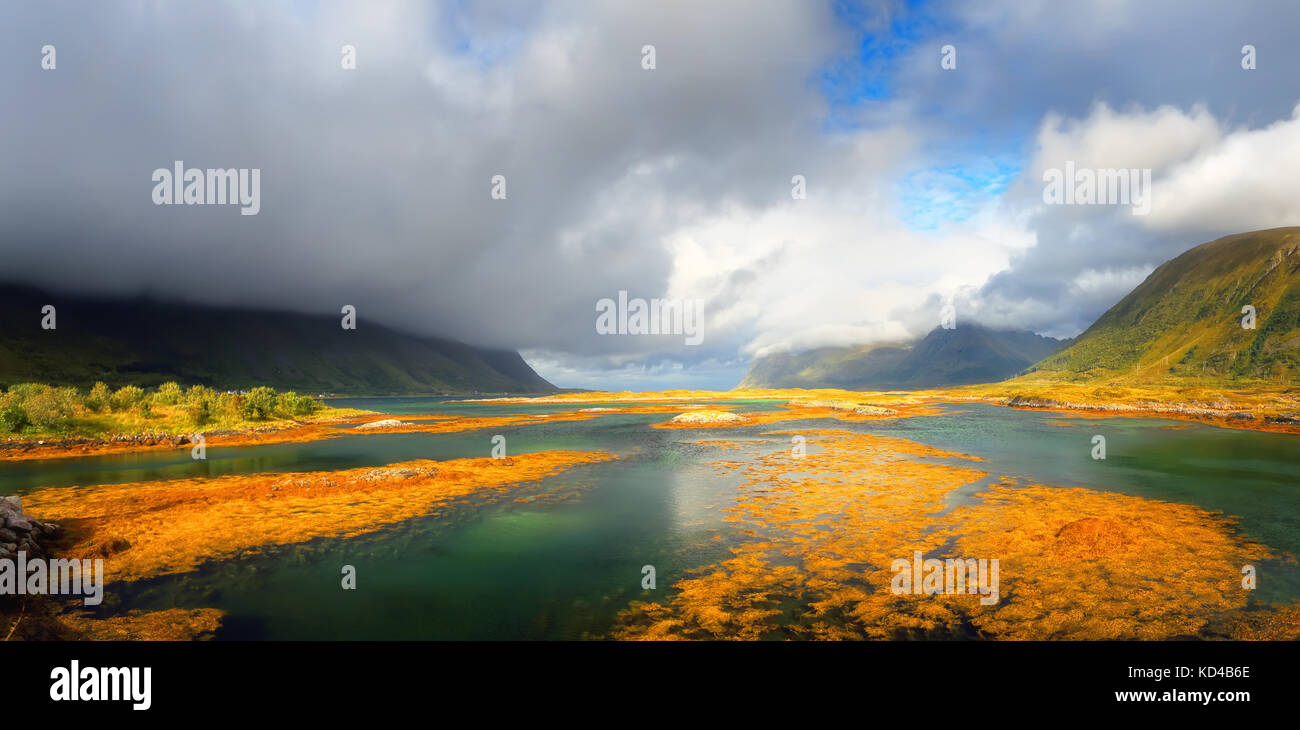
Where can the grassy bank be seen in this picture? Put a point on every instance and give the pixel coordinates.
(1259, 399)
(34, 411)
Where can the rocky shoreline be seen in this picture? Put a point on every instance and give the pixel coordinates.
(857, 409)
(1154, 408)
(140, 439)
(20, 532)
(15, 447)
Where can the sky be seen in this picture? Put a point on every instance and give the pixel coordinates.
(922, 185)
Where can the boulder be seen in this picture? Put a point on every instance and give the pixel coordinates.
(708, 417)
(386, 423)
(394, 473)
(20, 533)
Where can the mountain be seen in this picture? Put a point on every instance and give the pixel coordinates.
(974, 354)
(967, 354)
(146, 342)
(826, 367)
(1184, 322)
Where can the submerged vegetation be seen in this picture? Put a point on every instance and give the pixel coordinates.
(171, 526)
(818, 545)
(809, 545)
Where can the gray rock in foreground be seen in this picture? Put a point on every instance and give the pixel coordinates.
(19, 532)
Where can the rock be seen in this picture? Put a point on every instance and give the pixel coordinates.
(386, 423)
(707, 417)
(383, 475)
(858, 409)
(874, 411)
(20, 533)
(1091, 537)
(114, 546)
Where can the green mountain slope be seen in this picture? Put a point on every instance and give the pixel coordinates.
(1183, 324)
(964, 355)
(146, 343)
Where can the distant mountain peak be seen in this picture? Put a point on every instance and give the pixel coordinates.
(968, 353)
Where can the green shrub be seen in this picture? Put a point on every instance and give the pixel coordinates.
(36, 408)
(292, 404)
(230, 406)
(259, 403)
(50, 408)
(200, 394)
(27, 390)
(125, 398)
(200, 402)
(200, 411)
(98, 397)
(13, 418)
(169, 393)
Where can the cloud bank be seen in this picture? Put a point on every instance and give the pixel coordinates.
(923, 185)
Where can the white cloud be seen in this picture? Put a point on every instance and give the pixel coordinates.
(1246, 181)
(1138, 138)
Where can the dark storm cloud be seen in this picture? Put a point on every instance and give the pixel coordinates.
(673, 182)
(375, 182)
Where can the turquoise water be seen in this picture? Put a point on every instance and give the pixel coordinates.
(504, 569)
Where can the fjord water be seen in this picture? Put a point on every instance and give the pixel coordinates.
(559, 558)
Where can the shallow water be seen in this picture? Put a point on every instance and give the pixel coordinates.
(532, 566)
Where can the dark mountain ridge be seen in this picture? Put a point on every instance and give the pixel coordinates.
(966, 354)
(145, 342)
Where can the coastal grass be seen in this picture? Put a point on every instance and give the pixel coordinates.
(324, 425)
(36, 411)
(1259, 400)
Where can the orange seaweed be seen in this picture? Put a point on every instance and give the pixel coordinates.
(173, 526)
(173, 624)
(816, 537)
